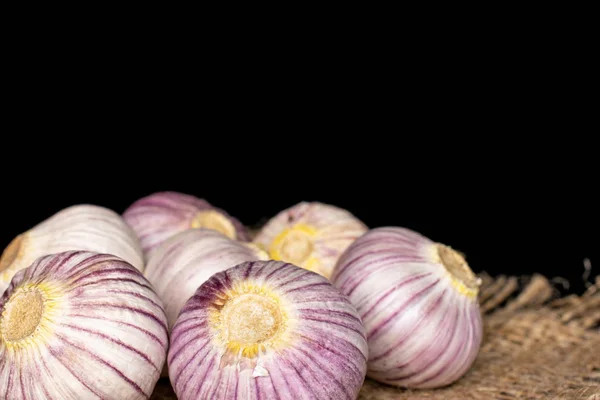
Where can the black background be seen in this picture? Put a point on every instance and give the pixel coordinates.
(503, 169)
(512, 209)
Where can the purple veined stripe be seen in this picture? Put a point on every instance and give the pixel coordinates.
(237, 383)
(315, 362)
(341, 314)
(280, 373)
(226, 279)
(22, 385)
(119, 280)
(259, 270)
(309, 286)
(459, 348)
(75, 375)
(195, 325)
(322, 299)
(51, 376)
(248, 269)
(212, 361)
(447, 341)
(328, 321)
(136, 295)
(472, 340)
(132, 309)
(413, 298)
(189, 361)
(335, 353)
(296, 275)
(152, 336)
(197, 302)
(11, 371)
(383, 263)
(99, 359)
(102, 272)
(387, 293)
(268, 277)
(182, 347)
(326, 252)
(435, 304)
(215, 385)
(51, 262)
(257, 390)
(323, 335)
(272, 385)
(113, 340)
(378, 238)
(285, 359)
(71, 255)
(447, 364)
(42, 382)
(300, 213)
(91, 259)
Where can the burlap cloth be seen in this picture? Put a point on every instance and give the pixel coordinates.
(536, 346)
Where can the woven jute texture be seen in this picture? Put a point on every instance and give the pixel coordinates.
(537, 345)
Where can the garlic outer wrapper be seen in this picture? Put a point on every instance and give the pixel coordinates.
(80, 227)
(161, 215)
(185, 261)
(311, 235)
(80, 325)
(418, 302)
(267, 330)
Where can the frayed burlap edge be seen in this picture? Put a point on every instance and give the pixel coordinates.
(536, 345)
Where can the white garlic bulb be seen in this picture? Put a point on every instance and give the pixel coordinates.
(185, 261)
(157, 217)
(80, 325)
(310, 235)
(79, 227)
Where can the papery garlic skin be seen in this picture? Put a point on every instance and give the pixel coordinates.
(311, 235)
(80, 227)
(161, 215)
(185, 261)
(267, 330)
(80, 325)
(418, 302)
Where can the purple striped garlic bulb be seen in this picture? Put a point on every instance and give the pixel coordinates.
(80, 227)
(185, 261)
(267, 330)
(418, 302)
(80, 325)
(157, 217)
(310, 235)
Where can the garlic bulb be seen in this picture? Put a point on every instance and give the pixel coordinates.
(183, 262)
(310, 235)
(157, 217)
(418, 302)
(267, 330)
(80, 325)
(80, 227)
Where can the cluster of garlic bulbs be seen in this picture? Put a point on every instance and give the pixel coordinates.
(94, 304)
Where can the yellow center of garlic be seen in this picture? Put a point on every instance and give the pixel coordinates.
(251, 319)
(214, 220)
(22, 314)
(294, 245)
(10, 253)
(462, 278)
